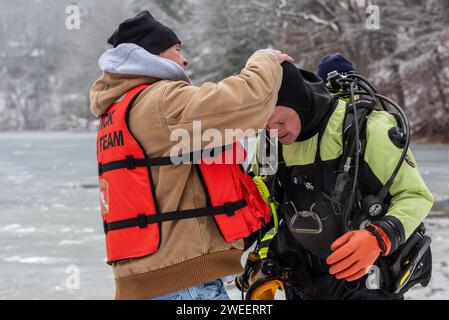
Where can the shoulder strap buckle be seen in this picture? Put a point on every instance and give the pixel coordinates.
(229, 208)
(142, 222)
(130, 162)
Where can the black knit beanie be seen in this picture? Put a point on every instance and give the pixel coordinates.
(293, 92)
(146, 32)
(334, 62)
(304, 92)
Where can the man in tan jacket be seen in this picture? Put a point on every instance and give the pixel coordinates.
(192, 253)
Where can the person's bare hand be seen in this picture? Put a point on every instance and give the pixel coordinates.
(281, 57)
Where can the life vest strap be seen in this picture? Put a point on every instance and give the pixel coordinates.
(143, 220)
(131, 163)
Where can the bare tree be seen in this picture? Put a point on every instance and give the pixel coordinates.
(46, 70)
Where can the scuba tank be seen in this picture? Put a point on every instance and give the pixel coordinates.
(411, 263)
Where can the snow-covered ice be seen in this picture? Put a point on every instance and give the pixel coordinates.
(50, 221)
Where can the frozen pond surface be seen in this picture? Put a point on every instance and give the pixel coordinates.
(50, 223)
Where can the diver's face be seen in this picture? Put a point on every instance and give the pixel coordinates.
(287, 122)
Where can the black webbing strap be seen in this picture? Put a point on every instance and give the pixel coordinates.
(348, 134)
(380, 241)
(143, 220)
(131, 163)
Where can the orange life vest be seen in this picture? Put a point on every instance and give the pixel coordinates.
(129, 208)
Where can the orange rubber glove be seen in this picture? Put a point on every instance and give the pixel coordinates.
(354, 254)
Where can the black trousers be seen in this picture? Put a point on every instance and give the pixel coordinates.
(311, 278)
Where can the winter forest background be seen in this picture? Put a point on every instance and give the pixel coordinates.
(46, 70)
(50, 225)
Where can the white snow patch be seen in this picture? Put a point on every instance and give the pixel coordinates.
(26, 230)
(9, 227)
(17, 228)
(71, 242)
(20, 178)
(34, 260)
(59, 206)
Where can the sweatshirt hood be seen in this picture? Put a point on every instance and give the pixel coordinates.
(126, 67)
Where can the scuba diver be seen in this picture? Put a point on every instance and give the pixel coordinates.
(348, 195)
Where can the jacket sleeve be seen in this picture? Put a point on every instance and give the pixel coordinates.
(244, 101)
(411, 199)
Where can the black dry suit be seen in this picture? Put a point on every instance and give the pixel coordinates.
(312, 202)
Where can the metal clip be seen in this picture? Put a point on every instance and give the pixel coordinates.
(306, 214)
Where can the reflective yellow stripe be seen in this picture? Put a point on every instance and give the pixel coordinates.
(265, 193)
(263, 252)
(405, 277)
